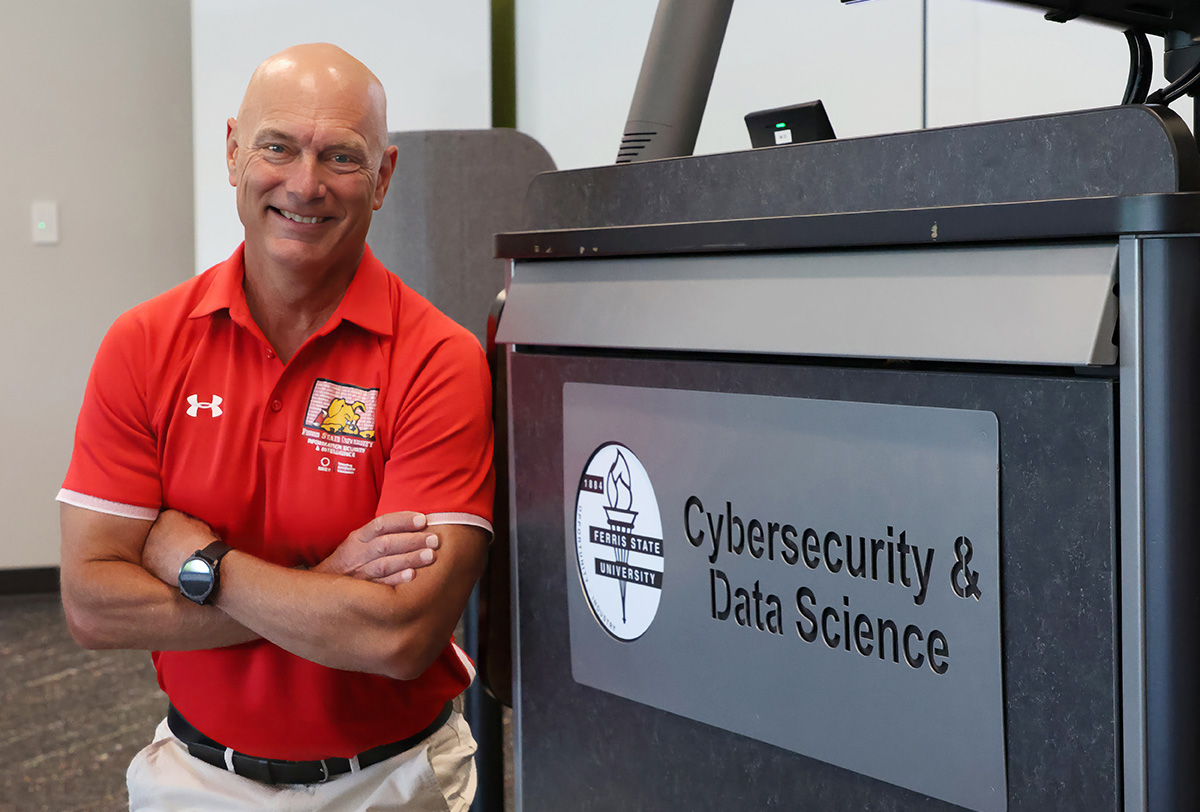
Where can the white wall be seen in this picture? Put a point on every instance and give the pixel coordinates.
(577, 65)
(862, 61)
(96, 116)
(992, 60)
(434, 60)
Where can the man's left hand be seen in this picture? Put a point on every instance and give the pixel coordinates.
(389, 549)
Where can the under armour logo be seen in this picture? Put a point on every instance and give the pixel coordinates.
(195, 405)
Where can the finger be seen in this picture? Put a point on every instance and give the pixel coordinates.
(393, 545)
(402, 577)
(400, 543)
(388, 572)
(401, 521)
(380, 568)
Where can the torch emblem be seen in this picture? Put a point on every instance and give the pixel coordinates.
(619, 494)
(619, 548)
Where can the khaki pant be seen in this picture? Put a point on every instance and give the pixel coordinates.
(437, 775)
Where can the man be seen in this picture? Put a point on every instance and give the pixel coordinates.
(282, 486)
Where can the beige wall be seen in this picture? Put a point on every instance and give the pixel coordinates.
(95, 112)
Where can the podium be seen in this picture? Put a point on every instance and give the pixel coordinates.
(861, 474)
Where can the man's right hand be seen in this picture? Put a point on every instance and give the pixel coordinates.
(389, 549)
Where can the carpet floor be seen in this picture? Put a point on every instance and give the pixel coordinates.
(70, 720)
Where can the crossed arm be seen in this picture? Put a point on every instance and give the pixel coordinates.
(365, 608)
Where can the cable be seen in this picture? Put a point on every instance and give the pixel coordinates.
(1141, 68)
(1146, 54)
(1135, 67)
(1177, 88)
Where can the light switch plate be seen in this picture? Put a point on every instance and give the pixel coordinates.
(45, 222)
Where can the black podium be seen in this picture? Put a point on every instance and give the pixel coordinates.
(861, 474)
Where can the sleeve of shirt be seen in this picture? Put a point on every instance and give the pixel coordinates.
(114, 464)
(440, 461)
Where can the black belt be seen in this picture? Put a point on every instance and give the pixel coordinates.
(276, 771)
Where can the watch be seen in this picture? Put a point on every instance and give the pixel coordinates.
(200, 574)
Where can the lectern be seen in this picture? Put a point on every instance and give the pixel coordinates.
(861, 474)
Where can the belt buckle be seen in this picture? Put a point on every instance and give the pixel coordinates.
(324, 772)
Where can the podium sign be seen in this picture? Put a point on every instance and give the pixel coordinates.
(819, 575)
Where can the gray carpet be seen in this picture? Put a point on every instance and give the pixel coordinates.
(70, 720)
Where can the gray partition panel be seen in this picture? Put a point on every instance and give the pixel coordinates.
(1128, 150)
(452, 191)
(583, 749)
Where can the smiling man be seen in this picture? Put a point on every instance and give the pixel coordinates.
(282, 486)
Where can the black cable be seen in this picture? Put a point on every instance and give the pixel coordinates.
(1134, 68)
(1147, 60)
(1141, 68)
(1177, 88)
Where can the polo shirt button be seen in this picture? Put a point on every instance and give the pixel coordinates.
(271, 355)
(276, 405)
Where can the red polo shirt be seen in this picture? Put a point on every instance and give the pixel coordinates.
(385, 408)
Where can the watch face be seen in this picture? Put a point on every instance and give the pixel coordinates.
(196, 578)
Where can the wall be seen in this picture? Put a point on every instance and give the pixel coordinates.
(98, 117)
(990, 61)
(434, 61)
(577, 65)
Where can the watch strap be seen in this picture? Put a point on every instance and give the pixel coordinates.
(215, 551)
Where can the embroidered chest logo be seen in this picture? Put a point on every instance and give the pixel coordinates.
(340, 423)
(195, 405)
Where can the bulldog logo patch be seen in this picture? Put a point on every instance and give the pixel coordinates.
(340, 423)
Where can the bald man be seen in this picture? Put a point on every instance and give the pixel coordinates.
(282, 486)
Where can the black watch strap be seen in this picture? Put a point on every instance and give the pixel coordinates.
(215, 551)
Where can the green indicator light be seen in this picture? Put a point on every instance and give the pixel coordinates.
(781, 125)
(41, 225)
